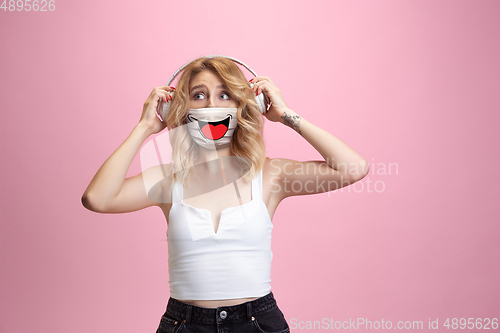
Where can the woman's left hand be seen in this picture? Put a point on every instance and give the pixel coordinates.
(278, 106)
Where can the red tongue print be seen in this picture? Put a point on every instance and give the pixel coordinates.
(214, 132)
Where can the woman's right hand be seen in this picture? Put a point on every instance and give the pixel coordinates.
(149, 117)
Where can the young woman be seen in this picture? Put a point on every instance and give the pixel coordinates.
(221, 193)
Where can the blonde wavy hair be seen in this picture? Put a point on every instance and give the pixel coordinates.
(247, 142)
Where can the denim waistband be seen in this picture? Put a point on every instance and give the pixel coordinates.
(235, 313)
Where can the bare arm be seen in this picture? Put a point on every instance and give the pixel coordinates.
(342, 165)
(338, 155)
(109, 179)
(109, 191)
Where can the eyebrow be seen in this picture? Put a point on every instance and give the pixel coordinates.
(203, 86)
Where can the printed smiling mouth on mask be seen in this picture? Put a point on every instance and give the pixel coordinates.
(213, 130)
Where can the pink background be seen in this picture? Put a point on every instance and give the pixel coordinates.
(414, 83)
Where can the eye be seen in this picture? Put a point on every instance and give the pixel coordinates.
(197, 94)
(225, 94)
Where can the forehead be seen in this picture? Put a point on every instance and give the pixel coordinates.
(207, 77)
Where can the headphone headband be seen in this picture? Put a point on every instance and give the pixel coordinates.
(210, 56)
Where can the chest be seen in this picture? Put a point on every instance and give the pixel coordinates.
(217, 205)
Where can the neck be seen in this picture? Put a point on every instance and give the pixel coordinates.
(207, 155)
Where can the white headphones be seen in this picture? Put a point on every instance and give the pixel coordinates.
(263, 101)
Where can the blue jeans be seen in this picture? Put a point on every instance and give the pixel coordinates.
(259, 316)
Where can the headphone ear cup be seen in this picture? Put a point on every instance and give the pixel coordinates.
(266, 101)
(164, 107)
(261, 100)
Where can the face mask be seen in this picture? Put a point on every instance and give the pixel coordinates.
(212, 128)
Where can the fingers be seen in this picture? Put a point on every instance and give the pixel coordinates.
(159, 95)
(168, 96)
(262, 78)
(166, 88)
(261, 83)
(259, 87)
(162, 93)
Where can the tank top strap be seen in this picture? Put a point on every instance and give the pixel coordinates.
(257, 186)
(177, 192)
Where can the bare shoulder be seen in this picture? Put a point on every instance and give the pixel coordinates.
(157, 181)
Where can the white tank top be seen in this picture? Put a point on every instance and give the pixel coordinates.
(235, 262)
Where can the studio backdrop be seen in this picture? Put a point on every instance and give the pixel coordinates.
(412, 86)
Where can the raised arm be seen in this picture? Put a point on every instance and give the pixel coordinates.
(342, 166)
(109, 191)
